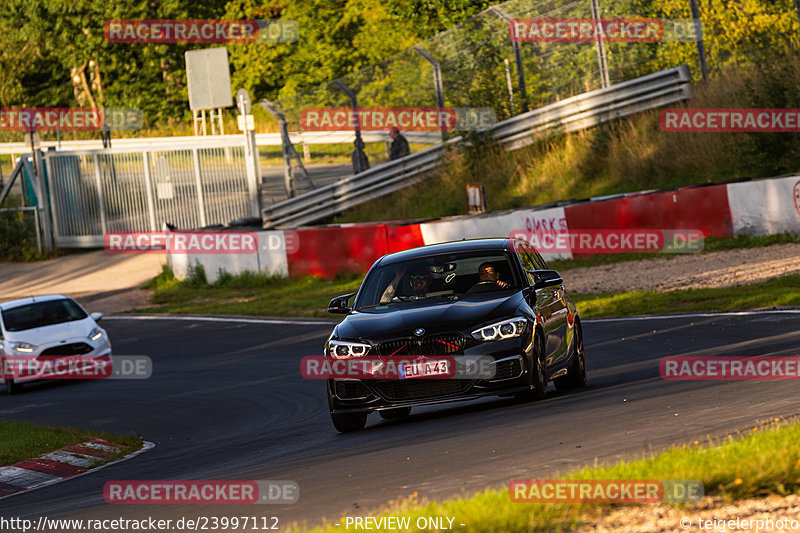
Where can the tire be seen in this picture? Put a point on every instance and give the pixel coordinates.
(538, 375)
(576, 376)
(13, 387)
(397, 412)
(347, 422)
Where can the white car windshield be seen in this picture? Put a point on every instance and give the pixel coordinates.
(40, 314)
(445, 275)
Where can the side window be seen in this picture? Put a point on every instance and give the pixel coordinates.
(538, 261)
(525, 258)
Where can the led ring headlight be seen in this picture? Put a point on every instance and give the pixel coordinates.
(501, 330)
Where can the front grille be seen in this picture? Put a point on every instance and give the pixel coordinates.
(351, 390)
(446, 344)
(411, 389)
(76, 348)
(507, 369)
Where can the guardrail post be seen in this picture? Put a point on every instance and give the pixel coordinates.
(437, 81)
(523, 90)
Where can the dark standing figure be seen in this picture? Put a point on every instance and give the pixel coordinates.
(360, 160)
(399, 145)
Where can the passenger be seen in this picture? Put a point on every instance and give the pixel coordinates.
(487, 272)
(418, 283)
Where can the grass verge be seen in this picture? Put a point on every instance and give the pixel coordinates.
(247, 294)
(20, 441)
(771, 293)
(759, 463)
(710, 244)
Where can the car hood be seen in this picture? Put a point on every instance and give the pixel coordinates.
(468, 312)
(53, 333)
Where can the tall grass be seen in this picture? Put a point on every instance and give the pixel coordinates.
(626, 155)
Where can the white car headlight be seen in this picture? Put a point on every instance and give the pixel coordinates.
(506, 329)
(23, 347)
(95, 334)
(347, 350)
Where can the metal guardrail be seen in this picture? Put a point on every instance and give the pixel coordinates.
(213, 141)
(572, 114)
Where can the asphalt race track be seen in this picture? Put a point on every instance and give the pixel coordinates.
(226, 401)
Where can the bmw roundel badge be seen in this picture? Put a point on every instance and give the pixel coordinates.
(419, 332)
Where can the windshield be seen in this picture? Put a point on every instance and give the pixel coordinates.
(439, 276)
(40, 314)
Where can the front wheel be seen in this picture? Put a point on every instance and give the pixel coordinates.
(12, 387)
(539, 374)
(576, 376)
(347, 422)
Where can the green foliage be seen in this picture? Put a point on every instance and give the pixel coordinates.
(17, 237)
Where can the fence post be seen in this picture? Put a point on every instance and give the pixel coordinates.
(148, 184)
(523, 90)
(354, 107)
(101, 197)
(41, 192)
(698, 37)
(252, 162)
(601, 46)
(201, 203)
(437, 81)
(287, 149)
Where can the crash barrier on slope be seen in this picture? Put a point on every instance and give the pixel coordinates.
(754, 207)
(572, 114)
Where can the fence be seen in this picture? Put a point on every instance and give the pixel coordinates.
(91, 192)
(576, 113)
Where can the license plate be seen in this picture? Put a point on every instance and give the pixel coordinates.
(423, 369)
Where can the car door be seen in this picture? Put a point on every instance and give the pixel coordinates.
(547, 301)
(558, 314)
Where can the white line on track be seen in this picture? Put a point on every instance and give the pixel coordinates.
(225, 319)
(330, 322)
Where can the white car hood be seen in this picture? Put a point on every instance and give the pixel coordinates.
(55, 333)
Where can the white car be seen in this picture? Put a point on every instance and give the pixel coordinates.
(43, 328)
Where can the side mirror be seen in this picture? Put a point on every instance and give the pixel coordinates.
(340, 304)
(97, 317)
(545, 278)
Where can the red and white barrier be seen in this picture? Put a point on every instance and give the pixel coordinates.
(758, 207)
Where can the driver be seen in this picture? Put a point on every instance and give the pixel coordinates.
(419, 280)
(487, 272)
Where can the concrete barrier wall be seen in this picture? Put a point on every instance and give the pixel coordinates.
(765, 207)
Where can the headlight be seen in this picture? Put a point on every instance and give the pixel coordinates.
(347, 350)
(95, 334)
(23, 347)
(506, 329)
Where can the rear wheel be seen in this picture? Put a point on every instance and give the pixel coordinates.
(397, 412)
(347, 422)
(538, 373)
(12, 387)
(576, 376)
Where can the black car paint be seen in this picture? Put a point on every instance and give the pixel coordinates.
(549, 310)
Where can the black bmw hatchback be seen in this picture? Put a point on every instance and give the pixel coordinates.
(489, 298)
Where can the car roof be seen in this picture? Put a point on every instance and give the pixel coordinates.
(32, 299)
(467, 245)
